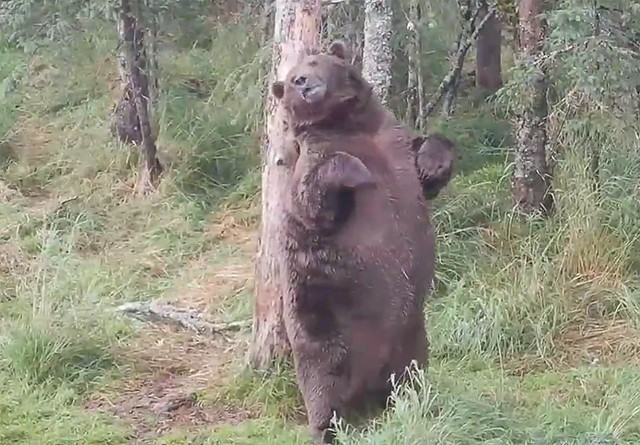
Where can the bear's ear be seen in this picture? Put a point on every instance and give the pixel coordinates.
(346, 171)
(338, 49)
(277, 89)
(417, 142)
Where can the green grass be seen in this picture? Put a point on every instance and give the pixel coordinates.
(533, 325)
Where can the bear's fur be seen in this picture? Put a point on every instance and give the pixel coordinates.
(359, 256)
(435, 162)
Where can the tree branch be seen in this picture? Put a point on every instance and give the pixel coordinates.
(183, 318)
(449, 80)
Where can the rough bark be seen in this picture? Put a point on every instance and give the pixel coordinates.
(488, 53)
(415, 88)
(296, 33)
(377, 54)
(125, 124)
(153, 69)
(139, 88)
(531, 182)
(266, 16)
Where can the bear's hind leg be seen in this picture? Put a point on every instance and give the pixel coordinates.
(323, 382)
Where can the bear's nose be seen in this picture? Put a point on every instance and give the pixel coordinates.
(300, 80)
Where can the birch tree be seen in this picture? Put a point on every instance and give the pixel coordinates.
(377, 54)
(531, 181)
(296, 33)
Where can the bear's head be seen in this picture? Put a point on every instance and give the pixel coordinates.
(322, 89)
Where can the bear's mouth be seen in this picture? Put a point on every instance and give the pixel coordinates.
(313, 94)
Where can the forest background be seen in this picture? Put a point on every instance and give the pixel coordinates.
(130, 173)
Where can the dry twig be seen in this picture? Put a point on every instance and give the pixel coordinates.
(184, 318)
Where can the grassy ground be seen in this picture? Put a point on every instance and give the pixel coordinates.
(533, 326)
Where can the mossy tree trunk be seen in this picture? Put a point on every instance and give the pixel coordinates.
(135, 96)
(296, 33)
(377, 54)
(531, 182)
(488, 53)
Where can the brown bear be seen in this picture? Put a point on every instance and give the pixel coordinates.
(359, 256)
(434, 161)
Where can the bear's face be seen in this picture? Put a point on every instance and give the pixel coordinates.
(322, 88)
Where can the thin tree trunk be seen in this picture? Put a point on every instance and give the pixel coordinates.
(153, 69)
(488, 53)
(415, 94)
(531, 182)
(377, 53)
(450, 94)
(136, 62)
(265, 21)
(449, 84)
(296, 33)
(125, 124)
(595, 150)
(468, 15)
(355, 32)
(470, 31)
(266, 33)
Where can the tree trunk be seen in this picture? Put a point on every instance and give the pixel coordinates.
(138, 88)
(531, 182)
(450, 95)
(377, 53)
(152, 39)
(415, 89)
(595, 149)
(472, 25)
(449, 85)
(296, 34)
(125, 124)
(344, 21)
(354, 32)
(488, 53)
(265, 21)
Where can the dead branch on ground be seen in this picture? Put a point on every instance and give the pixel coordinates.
(184, 318)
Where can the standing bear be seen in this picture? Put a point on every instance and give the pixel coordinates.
(359, 254)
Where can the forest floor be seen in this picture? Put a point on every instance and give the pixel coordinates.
(533, 327)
